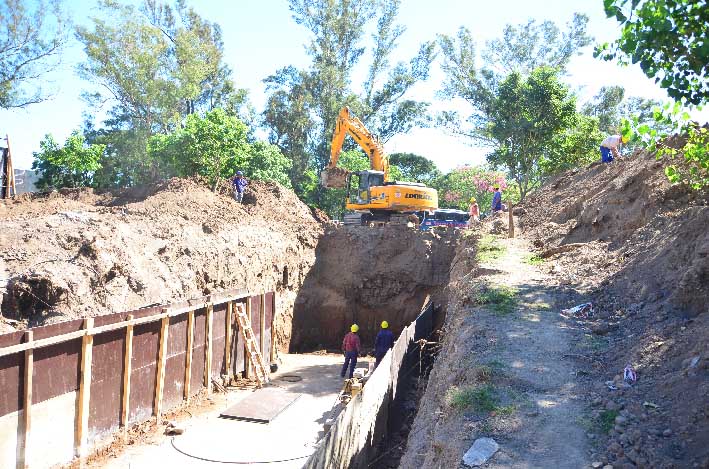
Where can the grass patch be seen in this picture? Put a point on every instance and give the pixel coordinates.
(476, 398)
(533, 259)
(607, 420)
(489, 249)
(501, 300)
(489, 370)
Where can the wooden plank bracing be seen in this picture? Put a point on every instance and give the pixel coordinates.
(162, 358)
(208, 350)
(227, 340)
(82, 419)
(247, 359)
(263, 324)
(188, 354)
(127, 369)
(27, 402)
(273, 330)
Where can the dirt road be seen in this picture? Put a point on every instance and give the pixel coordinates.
(505, 370)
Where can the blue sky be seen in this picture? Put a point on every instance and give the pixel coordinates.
(260, 37)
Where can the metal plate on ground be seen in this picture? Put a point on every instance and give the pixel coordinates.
(262, 406)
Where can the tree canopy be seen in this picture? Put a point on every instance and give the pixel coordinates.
(520, 109)
(71, 165)
(31, 40)
(670, 41)
(303, 104)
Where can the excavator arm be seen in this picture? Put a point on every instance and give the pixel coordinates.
(348, 123)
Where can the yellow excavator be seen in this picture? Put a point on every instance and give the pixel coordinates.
(370, 195)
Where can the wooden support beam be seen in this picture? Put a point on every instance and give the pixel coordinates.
(247, 361)
(127, 369)
(82, 418)
(208, 350)
(262, 326)
(227, 340)
(511, 232)
(272, 358)
(27, 402)
(162, 359)
(188, 353)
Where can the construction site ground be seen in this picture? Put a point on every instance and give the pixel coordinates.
(210, 440)
(528, 394)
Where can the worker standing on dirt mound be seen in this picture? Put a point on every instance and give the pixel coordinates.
(609, 147)
(239, 183)
(474, 211)
(496, 199)
(350, 346)
(383, 342)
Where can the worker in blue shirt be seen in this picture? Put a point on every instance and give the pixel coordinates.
(496, 199)
(383, 342)
(239, 184)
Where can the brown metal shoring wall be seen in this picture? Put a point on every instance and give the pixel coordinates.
(124, 368)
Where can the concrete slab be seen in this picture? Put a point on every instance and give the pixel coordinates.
(262, 406)
(210, 441)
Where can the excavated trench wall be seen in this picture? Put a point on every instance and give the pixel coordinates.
(367, 275)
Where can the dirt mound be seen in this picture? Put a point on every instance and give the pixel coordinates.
(639, 248)
(76, 253)
(366, 275)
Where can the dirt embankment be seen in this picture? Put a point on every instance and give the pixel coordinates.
(366, 275)
(76, 253)
(639, 248)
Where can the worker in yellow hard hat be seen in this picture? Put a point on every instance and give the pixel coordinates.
(610, 146)
(383, 342)
(350, 347)
(474, 211)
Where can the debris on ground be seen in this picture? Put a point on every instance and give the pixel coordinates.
(482, 450)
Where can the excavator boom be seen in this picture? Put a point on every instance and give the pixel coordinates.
(348, 123)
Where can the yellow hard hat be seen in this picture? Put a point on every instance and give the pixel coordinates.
(354, 328)
(472, 200)
(385, 324)
(496, 186)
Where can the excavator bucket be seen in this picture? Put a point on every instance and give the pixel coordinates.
(335, 178)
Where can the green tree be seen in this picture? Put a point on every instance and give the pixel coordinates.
(155, 65)
(213, 146)
(415, 168)
(303, 104)
(32, 36)
(518, 108)
(670, 41)
(526, 47)
(265, 162)
(71, 165)
(216, 146)
(575, 146)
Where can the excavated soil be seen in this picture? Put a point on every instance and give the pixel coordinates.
(365, 275)
(75, 253)
(637, 247)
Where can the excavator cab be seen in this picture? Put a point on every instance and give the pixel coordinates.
(360, 193)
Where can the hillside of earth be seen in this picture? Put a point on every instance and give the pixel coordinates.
(77, 253)
(516, 367)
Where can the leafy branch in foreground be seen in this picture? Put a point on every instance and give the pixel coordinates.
(692, 146)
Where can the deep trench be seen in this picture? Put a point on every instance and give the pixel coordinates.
(365, 276)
